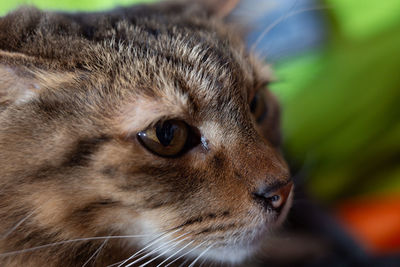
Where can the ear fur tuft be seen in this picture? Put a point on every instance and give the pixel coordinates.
(21, 80)
(16, 85)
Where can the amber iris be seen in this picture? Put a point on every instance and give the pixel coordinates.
(166, 138)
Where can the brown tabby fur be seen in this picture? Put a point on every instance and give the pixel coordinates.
(74, 91)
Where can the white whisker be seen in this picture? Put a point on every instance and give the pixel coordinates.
(201, 254)
(95, 253)
(114, 264)
(155, 250)
(161, 254)
(184, 254)
(281, 19)
(17, 225)
(188, 244)
(203, 261)
(183, 263)
(69, 241)
(162, 236)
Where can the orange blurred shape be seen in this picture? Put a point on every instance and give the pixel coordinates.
(375, 221)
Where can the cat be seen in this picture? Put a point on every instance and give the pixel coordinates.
(145, 134)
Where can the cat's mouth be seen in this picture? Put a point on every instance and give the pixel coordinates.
(251, 242)
(233, 246)
(239, 252)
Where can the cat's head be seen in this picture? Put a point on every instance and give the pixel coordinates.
(152, 120)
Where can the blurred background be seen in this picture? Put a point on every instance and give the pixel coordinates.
(337, 70)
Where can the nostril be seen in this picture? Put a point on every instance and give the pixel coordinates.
(276, 201)
(274, 197)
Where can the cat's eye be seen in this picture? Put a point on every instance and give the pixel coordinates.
(167, 138)
(258, 106)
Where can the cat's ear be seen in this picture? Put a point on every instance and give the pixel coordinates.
(22, 78)
(17, 85)
(219, 8)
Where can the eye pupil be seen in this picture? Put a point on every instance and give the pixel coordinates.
(165, 133)
(169, 138)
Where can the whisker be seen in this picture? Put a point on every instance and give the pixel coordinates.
(182, 248)
(95, 253)
(162, 236)
(98, 253)
(290, 9)
(201, 254)
(138, 254)
(171, 248)
(183, 263)
(203, 261)
(184, 254)
(17, 225)
(281, 19)
(69, 241)
(114, 264)
(155, 250)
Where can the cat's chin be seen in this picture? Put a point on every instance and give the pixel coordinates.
(233, 253)
(239, 253)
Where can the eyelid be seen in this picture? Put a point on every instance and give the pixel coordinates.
(159, 120)
(190, 134)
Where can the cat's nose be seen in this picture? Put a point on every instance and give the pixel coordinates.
(274, 197)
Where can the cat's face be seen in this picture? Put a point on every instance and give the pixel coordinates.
(159, 126)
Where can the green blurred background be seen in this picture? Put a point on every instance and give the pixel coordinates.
(341, 114)
(341, 103)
